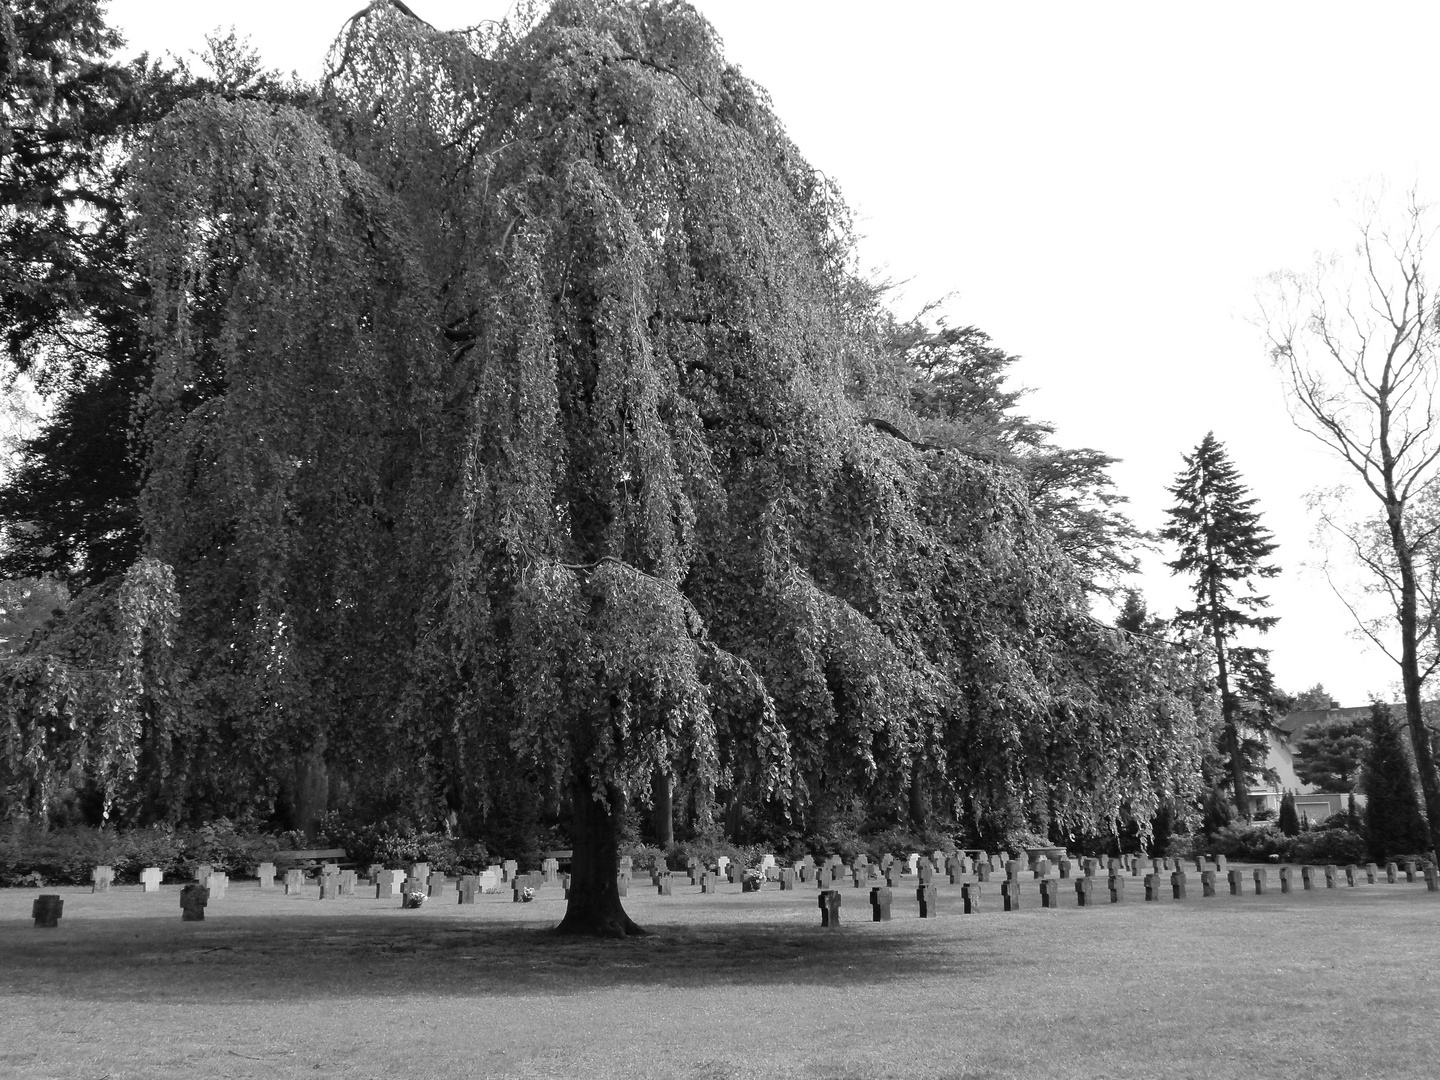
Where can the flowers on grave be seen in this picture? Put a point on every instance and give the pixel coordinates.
(753, 879)
(414, 898)
(526, 895)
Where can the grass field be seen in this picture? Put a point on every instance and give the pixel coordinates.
(1328, 983)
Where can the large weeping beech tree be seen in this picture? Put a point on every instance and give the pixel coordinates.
(509, 416)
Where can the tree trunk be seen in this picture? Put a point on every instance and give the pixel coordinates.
(593, 905)
(1410, 677)
(917, 795)
(1230, 731)
(664, 811)
(312, 790)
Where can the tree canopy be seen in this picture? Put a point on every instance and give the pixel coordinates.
(508, 425)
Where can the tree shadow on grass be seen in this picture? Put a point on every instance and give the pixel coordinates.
(274, 958)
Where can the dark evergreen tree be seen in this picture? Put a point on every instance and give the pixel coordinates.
(1223, 548)
(1393, 823)
(1329, 755)
(1289, 820)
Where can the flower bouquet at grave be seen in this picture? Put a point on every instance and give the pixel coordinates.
(753, 879)
(414, 898)
(526, 895)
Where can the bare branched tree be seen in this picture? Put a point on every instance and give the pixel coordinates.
(1357, 342)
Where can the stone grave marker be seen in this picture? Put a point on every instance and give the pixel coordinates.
(551, 869)
(266, 873)
(1152, 886)
(1012, 869)
(1220, 862)
(1371, 872)
(193, 899)
(622, 884)
(294, 881)
(490, 879)
(1236, 883)
(1049, 892)
(1063, 866)
(1114, 866)
(1262, 880)
(46, 909)
(983, 871)
(150, 879)
(435, 884)
(349, 880)
(1432, 878)
(372, 872)
(925, 894)
(1042, 868)
(1331, 873)
(1084, 890)
(1177, 882)
(1391, 873)
(330, 882)
(1010, 894)
(880, 897)
(912, 862)
(1307, 877)
(970, 897)
(389, 885)
(1159, 865)
(787, 879)
(517, 890)
(1285, 874)
(885, 861)
(837, 872)
(926, 871)
(217, 882)
(1137, 868)
(202, 871)
(861, 874)
(707, 883)
(509, 868)
(101, 878)
(1410, 871)
(893, 872)
(663, 885)
(830, 901)
(1117, 888)
(469, 888)
(1199, 865)
(734, 872)
(1207, 883)
(721, 863)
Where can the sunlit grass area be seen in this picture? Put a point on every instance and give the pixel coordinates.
(1314, 984)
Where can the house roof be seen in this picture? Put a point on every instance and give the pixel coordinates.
(1294, 724)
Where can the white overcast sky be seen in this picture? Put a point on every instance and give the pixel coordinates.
(1097, 186)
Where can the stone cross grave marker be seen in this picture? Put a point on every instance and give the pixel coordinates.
(1350, 872)
(1432, 878)
(193, 899)
(663, 885)
(1152, 886)
(150, 879)
(1207, 882)
(1084, 890)
(983, 871)
(893, 872)
(1010, 894)
(101, 878)
(1050, 892)
(435, 884)
(202, 871)
(1262, 881)
(1064, 866)
(1117, 888)
(388, 884)
(1285, 876)
(468, 888)
(266, 873)
(1236, 879)
(46, 909)
(1177, 882)
(1307, 877)
(925, 895)
(1331, 872)
(880, 898)
(217, 881)
(1390, 873)
(1410, 871)
(1042, 867)
(970, 897)
(294, 881)
(830, 901)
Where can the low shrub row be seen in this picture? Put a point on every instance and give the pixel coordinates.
(1266, 843)
(34, 855)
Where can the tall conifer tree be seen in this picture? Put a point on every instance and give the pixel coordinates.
(1223, 548)
(1393, 824)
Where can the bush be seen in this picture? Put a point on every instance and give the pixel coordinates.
(1339, 846)
(1249, 843)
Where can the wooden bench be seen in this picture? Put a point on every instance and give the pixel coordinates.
(561, 857)
(309, 855)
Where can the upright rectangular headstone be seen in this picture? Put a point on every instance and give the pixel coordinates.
(330, 882)
(1432, 878)
(622, 884)
(1391, 873)
(926, 871)
(1285, 875)
(150, 879)
(509, 868)
(1013, 867)
(1410, 871)
(1307, 877)
(1199, 864)
(1371, 873)
(707, 882)
(787, 879)
(1350, 872)
(490, 879)
(217, 881)
(1331, 875)
(551, 869)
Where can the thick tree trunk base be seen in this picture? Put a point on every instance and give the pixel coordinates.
(593, 905)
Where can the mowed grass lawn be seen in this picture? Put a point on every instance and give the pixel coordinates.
(1330, 983)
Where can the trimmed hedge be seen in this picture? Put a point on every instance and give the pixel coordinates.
(34, 855)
